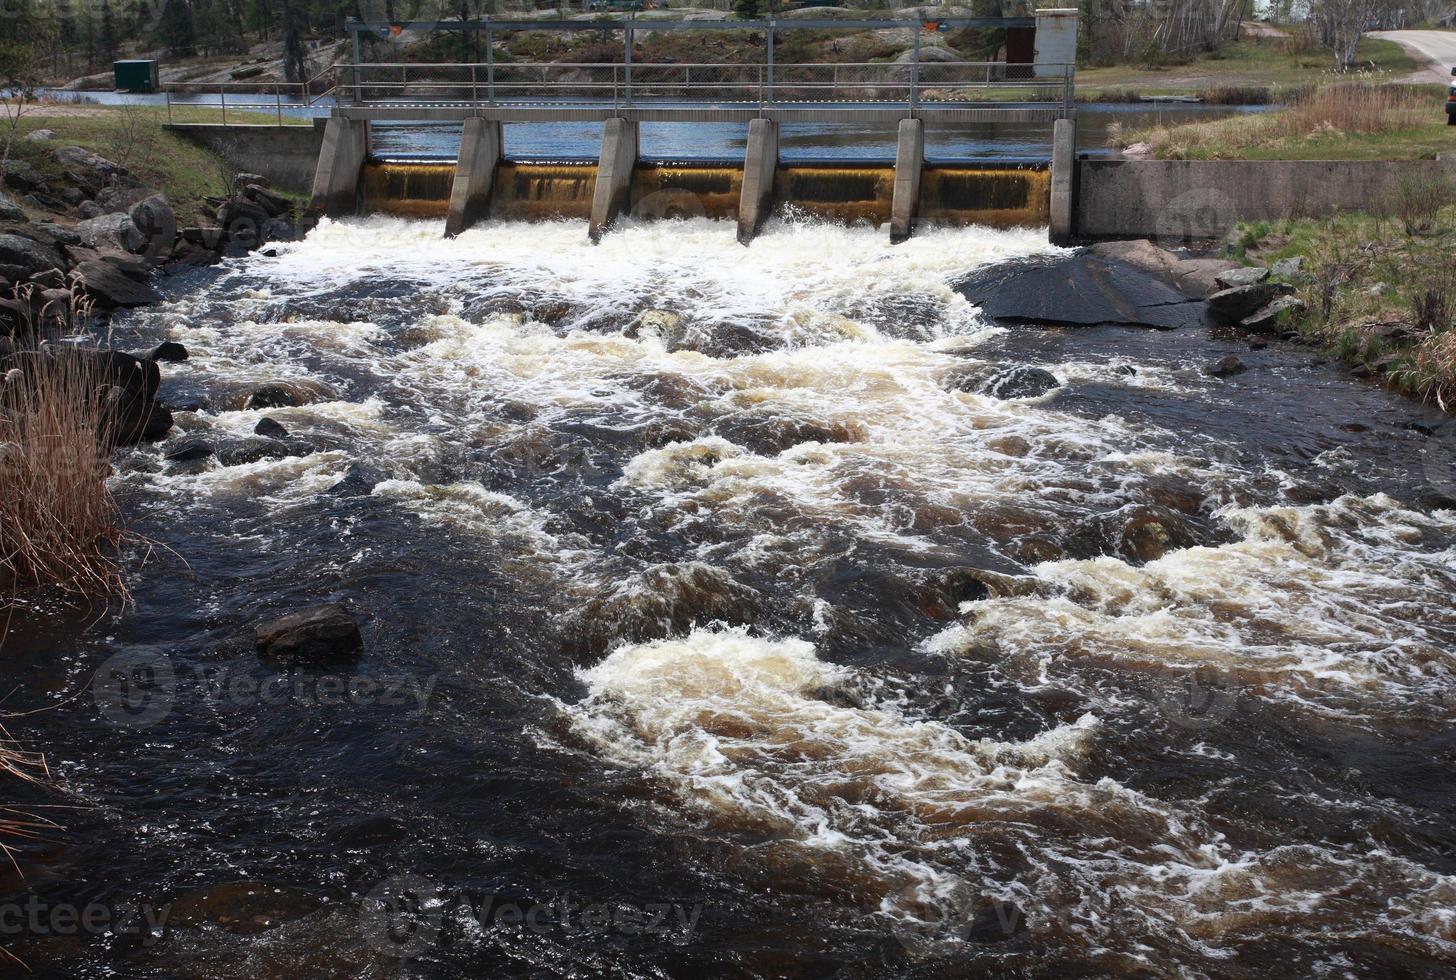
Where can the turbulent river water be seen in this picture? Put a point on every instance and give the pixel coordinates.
(709, 617)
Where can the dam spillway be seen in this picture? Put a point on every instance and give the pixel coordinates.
(953, 195)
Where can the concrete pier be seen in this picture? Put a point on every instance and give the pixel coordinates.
(612, 196)
(1064, 164)
(909, 162)
(760, 161)
(336, 181)
(480, 151)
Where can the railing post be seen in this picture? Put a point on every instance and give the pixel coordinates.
(489, 61)
(769, 63)
(915, 65)
(222, 100)
(278, 101)
(474, 94)
(627, 62)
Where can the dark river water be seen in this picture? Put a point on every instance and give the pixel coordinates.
(711, 629)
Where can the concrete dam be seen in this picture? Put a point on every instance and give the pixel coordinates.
(1034, 84)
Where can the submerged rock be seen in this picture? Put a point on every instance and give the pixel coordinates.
(359, 480)
(1225, 367)
(271, 428)
(168, 350)
(190, 450)
(322, 634)
(288, 394)
(1020, 382)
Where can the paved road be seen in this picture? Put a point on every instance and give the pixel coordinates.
(1437, 48)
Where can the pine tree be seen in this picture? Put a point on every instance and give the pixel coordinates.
(109, 44)
(177, 31)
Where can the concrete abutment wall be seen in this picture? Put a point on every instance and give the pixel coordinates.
(1202, 199)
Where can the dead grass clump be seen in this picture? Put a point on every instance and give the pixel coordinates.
(59, 526)
(1353, 107)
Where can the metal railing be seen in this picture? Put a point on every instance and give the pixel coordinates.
(252, 103)
(982, 83)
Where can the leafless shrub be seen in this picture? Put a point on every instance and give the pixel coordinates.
(1417, 200)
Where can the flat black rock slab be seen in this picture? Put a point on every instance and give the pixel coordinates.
(1081, 291)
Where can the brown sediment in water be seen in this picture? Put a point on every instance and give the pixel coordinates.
(848, 195)
(997, 197)
(410, 190)
(542, 191)
(663, 190)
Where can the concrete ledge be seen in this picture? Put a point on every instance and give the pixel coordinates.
(760, 161)
(286, 155)
(909, 162)
(1064, 173)
(480, 151)
(1179, 200)
(336, 182)
(612, 196)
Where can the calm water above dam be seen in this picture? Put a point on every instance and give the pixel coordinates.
(713, 616)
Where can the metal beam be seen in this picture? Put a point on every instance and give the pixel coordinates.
(890, 112)
(620, 24)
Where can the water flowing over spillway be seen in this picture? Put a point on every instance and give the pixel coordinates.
(723, 584)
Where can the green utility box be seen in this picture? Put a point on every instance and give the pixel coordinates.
(135, 76)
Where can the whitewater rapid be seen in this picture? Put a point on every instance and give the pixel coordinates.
(826, 596)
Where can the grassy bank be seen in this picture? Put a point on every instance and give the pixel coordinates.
(1381, 288)
(134, 137)
(1270, 63)
(1347, 121)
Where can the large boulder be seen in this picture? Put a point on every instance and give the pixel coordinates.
(97, 168)
(1271, 317)
(108, 285)
(10, 211)
(153, 217)
(1198, 278)
(116, 230)
(1244, 275)
(319, 635)
(269, 200)
(128, 418)
(1229, 306)
(1082, 290)
(28, 254)
(22, 177)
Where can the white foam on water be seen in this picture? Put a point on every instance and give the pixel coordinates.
(763, 737)
(1337, 605)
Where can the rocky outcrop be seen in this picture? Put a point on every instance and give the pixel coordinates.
(317, 636)
(1084, 290)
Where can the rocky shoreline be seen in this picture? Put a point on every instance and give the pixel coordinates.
(103, 238)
